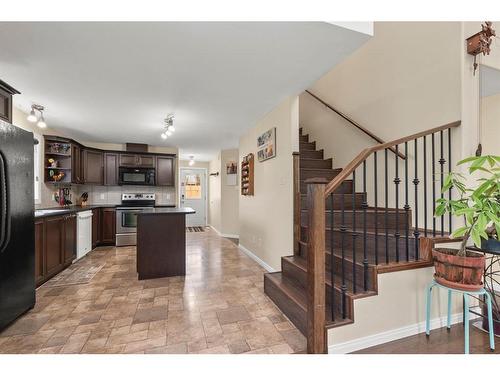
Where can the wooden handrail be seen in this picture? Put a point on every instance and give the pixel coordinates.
(357, 125)
(363, 155)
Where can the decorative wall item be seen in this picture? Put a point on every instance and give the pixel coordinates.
(480, 42)
(231, 173)
(247, 175)
(266, 145)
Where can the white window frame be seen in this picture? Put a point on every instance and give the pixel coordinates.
(37, 161)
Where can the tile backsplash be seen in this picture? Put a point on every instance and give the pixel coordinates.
(107, 194)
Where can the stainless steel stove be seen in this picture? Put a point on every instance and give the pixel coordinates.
(126, 216)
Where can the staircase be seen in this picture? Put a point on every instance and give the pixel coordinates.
(360, 242)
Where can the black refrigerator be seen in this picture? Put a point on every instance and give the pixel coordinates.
(17, 242)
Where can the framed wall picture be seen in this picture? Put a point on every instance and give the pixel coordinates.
(266, 145)
(231, 173)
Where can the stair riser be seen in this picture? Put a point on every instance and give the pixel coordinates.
(360, 271)
(346, 186)
(298, 275)
(337, 201)
(292, 310)
(304, 138)
(311, 154)
(316, 163)
(329, 174)
(372, 220)
(307, 146)
(370, 245)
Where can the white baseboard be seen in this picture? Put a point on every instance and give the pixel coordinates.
(266, 266)
(226, 235)
(395, 334)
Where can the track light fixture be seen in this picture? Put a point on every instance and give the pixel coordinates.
(168, 126)
(32, 117)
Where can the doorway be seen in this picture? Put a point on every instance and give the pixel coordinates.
(193, 193)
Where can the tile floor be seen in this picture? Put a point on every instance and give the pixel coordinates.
(219, 307)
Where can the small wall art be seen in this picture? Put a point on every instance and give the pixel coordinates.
(266, 145)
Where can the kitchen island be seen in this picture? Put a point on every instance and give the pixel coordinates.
(161, 242)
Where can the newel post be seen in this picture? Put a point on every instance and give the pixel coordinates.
(296, 203)
(316, 333)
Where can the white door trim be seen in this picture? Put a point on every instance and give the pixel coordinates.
(205, 187)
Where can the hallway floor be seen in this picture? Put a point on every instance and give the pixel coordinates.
(440, 341)
(219, 307)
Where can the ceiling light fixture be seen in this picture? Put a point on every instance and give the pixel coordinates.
(32, 117)
(191, 160)
(168, 126)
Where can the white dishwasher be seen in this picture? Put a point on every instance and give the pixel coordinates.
(83, 233)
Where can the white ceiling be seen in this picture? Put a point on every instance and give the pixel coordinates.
(115, 82)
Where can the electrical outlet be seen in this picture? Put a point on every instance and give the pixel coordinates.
(102, 196)
(168, 196)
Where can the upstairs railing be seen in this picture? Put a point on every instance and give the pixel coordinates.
(370, 216)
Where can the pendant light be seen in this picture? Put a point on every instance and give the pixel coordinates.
(191, 160)
(32, 117)
(168, 126)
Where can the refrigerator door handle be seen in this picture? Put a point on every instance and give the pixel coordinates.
(4, 206)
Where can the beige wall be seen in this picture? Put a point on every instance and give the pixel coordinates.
(395, 85)
(397, 311)
(266, 219)
(229, 196)
(490, 124)
(214, 190)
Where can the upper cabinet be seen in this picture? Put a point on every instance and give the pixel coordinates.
(6, 93)
(68, 162)
(135, 160)
(110, 169)
(93, 167)
(165, 171)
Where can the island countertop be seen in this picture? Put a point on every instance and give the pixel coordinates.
(168, 210)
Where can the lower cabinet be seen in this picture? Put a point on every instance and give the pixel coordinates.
(96, 227)
(55, 245)
(108, 226)
(56, 240)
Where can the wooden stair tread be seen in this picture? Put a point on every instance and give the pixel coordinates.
(337, 279)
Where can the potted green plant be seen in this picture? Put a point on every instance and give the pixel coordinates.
(480, 208)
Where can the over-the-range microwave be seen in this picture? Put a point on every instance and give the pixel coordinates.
(136, 176)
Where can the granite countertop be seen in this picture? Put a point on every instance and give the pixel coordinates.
(169, 210)
(56, 211)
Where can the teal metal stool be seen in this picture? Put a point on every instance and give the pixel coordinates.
(466, 295)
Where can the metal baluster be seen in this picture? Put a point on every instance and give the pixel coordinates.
(433, 186)
(416, 232)
(425, 185)
(441, 162)
(386, 183)
(343, 287)
(449, 171)
(332, 258)
(354, 234)
(365, 252)
(376, 203)
(407, 207)
(396, 187)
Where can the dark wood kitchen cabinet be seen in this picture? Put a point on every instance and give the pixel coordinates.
(93, 167)
(165, 171)
(110, 169)
(6, 93)
(53, 248)
(55, 245)
(108, 226)
(76, 164)
(96, 227)
(69, 239)
(140, 161)
(39, 253)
